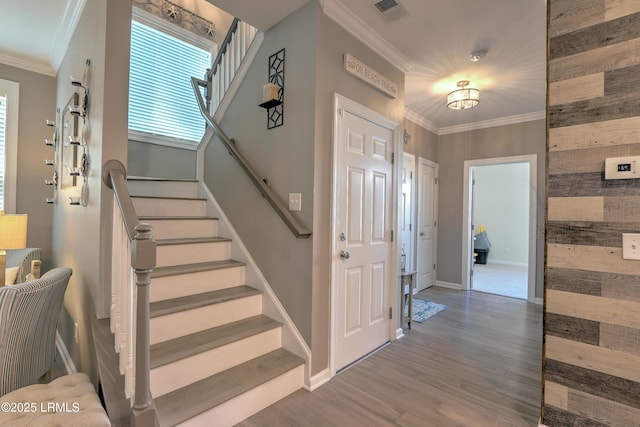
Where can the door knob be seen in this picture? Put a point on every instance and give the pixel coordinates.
(344, 255)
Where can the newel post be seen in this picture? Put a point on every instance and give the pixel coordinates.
(143, 260)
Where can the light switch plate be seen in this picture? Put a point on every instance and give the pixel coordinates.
(631, 246)
(295, 201)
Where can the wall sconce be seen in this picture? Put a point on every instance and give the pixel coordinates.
(273, 92)
(84, 84)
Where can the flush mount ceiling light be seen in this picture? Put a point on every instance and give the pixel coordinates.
(463, 98)
(477, 56)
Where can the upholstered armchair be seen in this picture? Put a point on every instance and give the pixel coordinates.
(22, 258)
(28, 321)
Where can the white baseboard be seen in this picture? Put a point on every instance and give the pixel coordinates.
(501, 262)
(69, 366)
(319, 379)
(539, 301)
(449, 285)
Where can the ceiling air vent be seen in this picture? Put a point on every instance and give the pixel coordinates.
(391, 9)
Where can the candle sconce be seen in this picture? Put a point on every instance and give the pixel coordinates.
(273, 92)
(53, 142)
(83, 109)
(79, 138)
(70, 142)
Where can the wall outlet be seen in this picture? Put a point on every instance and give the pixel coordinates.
(295, 201)
(631, 246)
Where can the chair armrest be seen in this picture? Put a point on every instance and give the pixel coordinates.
(22, 258)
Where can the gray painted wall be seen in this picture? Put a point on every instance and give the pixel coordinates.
(102, 35)
(37, 104)
(295, 158)
(160, 161)
(422, 142)
(283, 155)
(453, 150)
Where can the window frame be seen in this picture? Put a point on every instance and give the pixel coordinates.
(11, 90)
(162, 25)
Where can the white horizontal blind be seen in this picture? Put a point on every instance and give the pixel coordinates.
(3, 139)
(161, 101)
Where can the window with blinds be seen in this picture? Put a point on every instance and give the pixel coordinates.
(3, 139)
(161, 100)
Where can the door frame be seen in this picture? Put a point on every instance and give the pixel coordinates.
(341, 104)
(412, 260)
(428, 163)
(467, 232)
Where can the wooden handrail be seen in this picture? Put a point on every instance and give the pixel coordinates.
(143, 261)
(291, 222)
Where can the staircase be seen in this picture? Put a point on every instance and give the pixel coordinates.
(216, 358)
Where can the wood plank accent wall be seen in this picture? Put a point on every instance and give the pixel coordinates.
(592, 295)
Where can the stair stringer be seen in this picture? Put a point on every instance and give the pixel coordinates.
(292, 340)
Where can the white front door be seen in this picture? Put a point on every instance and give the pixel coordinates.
(427, 191)
(363, 248)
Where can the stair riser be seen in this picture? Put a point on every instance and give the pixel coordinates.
(167, 255)
(168, 287)
(175, 325)
(163, 188)
(169, 207)
(183, 228)
(167, 378)
(239, 408)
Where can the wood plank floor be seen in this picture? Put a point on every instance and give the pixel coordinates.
(477, 363)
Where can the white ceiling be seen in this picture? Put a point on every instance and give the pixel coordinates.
(431, 43)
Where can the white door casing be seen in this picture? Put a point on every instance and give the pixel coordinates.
(407, 212)
(427, 223)
(363, 262)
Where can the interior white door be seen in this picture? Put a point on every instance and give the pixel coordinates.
(363, 245)
(427, 213)
(406, 214)
(472, 259)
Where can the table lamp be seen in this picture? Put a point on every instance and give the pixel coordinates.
(13, 235)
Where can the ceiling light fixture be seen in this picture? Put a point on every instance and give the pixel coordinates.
(477, 56)
(463, 98)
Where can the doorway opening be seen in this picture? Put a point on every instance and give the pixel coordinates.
(499, 239)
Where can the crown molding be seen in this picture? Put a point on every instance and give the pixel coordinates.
(421, 121)
(335, 10)
(72, 13)
(502, 121)
(25, 63)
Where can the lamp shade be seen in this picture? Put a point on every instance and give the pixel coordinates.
(13, 231)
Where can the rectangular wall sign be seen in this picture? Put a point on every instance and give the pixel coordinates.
(375, 79)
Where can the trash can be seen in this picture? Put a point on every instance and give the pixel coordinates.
(481, 246)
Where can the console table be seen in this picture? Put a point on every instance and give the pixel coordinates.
(406, 291)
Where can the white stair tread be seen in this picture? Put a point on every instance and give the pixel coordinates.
(190, 240)
(195, 268)
(162, 308)
(194, 399)
(174, 218)
(180, 348)
(169, 198)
